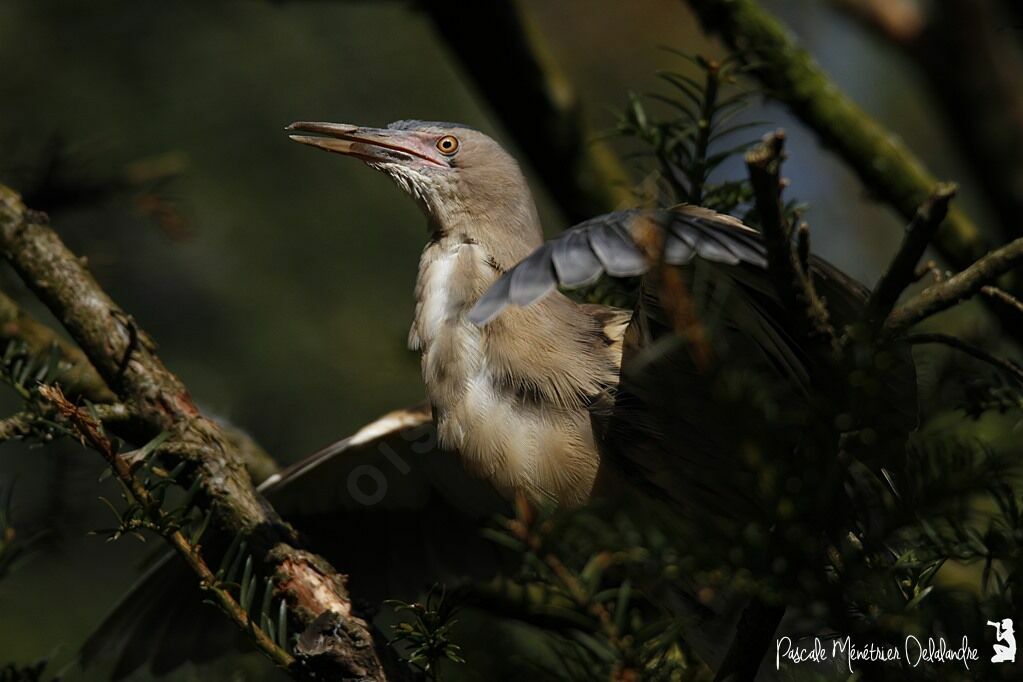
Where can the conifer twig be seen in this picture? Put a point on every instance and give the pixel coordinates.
(80, 380)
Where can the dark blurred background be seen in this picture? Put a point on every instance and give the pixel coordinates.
(278, 281)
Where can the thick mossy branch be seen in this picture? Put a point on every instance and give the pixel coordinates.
(970, 58)
(886, 166)
(125, 358)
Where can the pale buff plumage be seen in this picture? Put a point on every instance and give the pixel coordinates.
(511, 397)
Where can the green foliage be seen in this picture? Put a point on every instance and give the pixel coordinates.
(931, 548)
(687, 135)
(821, 504)
(690, 144)
(426, 636)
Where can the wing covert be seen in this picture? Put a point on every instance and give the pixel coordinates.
(613, 244)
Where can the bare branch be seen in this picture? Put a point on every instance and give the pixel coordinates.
(1007, 366)
(1003, 297)
(901, 271)
(960, 287)
(125, 358)
(793, 284)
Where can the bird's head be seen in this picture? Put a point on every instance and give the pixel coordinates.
(462, 179)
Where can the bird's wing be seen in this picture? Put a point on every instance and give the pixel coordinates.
(666, 428)
(619, 244)
(390, 509)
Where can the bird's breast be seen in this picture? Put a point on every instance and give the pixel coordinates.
(546, 451)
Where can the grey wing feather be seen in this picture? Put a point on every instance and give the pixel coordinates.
(616, 249)
(533, 278)
(608, 245)
(574, 261)
(493, 300)
(718, 241)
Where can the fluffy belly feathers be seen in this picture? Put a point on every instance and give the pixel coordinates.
(519, 444)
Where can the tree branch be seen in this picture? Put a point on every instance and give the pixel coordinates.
(80, 380)
(901, 271)
(793, 284)
(93, 434)
(974, 69)
(125, 358)
(80, 377)
(964, 285)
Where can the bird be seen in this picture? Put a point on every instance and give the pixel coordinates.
(524, 381)
(530, 392)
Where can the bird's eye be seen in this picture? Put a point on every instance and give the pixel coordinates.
(447, 144)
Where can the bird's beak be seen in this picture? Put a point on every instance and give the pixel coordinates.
(379, 145)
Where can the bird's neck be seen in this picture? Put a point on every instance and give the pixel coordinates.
(505, 226)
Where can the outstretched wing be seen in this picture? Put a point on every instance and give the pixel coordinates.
(621, 244)
(666, 429)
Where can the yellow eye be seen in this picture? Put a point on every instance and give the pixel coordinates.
(447, 144)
